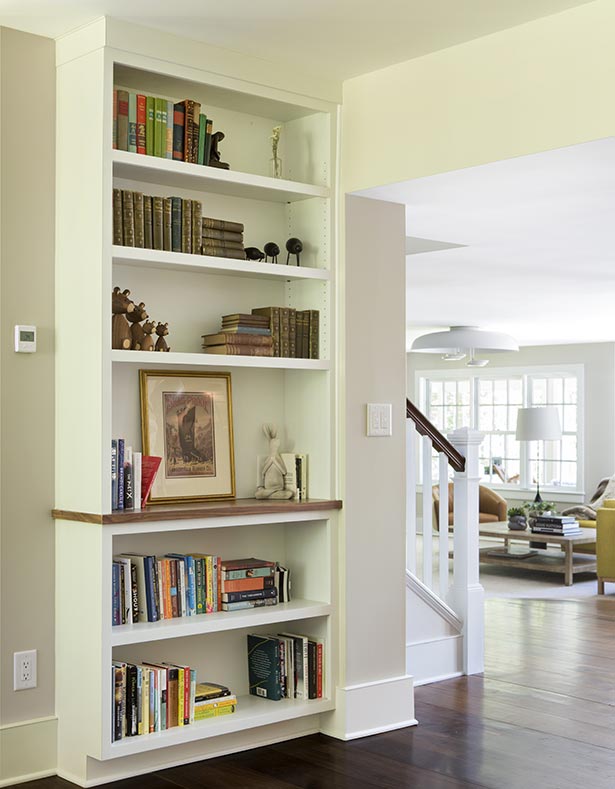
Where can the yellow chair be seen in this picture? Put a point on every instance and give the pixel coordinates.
(605, 545)
(591, 546)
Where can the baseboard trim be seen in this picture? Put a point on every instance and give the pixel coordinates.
(442, 678)
(371, 707)
(435, 659)
(29, 750)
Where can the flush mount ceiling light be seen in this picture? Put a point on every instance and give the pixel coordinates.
(458, 341)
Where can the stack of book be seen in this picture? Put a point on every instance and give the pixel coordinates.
(241, 335)
(160, 127)
(153, 697)
(151, 222)
(222, 238)
(132, 476)
(248, 583)
(295, 333)
(562, 525)
(285, 666)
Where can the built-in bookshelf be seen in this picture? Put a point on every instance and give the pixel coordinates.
(98, 396)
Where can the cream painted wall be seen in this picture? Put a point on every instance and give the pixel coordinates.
(27, 169)
(535, 87)
(374, 468)
(598, 360)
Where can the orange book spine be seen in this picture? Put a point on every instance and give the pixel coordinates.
(141, 119)
(246, 584)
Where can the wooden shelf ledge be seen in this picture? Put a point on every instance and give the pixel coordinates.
(217, 509)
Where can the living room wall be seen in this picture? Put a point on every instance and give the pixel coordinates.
(598, 360)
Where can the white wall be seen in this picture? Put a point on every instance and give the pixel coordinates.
(598, 360)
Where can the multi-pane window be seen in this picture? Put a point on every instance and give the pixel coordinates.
(489, 402)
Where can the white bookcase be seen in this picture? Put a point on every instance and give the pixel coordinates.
(97, 398)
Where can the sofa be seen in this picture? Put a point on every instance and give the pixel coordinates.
(605, 544)
(491, 506)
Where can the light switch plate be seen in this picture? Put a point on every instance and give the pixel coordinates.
(379, 419)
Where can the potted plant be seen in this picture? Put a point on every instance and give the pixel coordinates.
(535, 508)
(516, 519)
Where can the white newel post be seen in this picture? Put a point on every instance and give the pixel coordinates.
(467, 596)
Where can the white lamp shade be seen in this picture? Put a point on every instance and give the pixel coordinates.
(464, 338)
(538, 424)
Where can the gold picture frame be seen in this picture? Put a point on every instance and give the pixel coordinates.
(187, 420)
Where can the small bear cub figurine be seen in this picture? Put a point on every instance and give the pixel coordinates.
(162, 331)
(148, 340)
(136, 330)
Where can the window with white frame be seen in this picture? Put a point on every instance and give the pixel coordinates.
(489, 400)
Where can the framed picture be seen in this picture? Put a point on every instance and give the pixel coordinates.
(187, 420)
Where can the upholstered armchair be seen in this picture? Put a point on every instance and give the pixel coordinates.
(605, 545)
(491, 506)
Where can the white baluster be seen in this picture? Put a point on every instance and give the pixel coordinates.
(411, 483)
(443, 524)
(466, 596)
(427, 512)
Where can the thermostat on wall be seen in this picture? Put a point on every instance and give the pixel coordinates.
(25, 339)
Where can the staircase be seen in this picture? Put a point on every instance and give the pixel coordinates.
(444, 616)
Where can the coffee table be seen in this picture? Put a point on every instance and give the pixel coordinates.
(549, 561)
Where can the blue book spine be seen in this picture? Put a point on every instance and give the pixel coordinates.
(115, 583)
(191, 586)
(120, 473)
(114, 474)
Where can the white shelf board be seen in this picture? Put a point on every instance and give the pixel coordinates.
(172, 359)
(143, 632)
(251, 712)
(166, 172)
(229, 267)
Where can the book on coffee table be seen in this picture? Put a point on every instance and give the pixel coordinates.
(511, 553)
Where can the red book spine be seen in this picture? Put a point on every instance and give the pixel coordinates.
(149, 468)
(141, 119)
(319, 671)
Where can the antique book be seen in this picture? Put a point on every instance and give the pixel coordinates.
(118, 233)
(179, 120)
(147, 222)
(222, 235)
(197, 210)
(186, 225)
(122, 120)
(128, 223)
(167, 224)
(150, 115)
(221, 224)
(137, 198)
(176, 224)
(158, 222)
(230, 338)
(132, 122)
(141, 123)
(273, 316)
(224, 252)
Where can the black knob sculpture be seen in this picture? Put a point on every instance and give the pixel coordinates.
(253, 253)
(294, 247)
(272, 250)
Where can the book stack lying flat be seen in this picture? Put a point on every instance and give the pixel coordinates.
(563, 525)
(212, 700)
(241, 335)
(222, 239)
(248, 583)
(286, 666)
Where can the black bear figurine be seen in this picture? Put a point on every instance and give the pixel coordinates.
(294, 247)
(272, 250)
(253, 253)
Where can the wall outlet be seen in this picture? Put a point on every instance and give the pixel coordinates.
(24, 670)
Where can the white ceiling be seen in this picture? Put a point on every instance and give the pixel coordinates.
(340, 38)
(538, 246)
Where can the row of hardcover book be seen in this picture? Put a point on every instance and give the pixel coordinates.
(286, 666)
(173, 224)
(267, 331)
(153, 697)
(159, 127)
(149, 588)
(132, 476)
(562, 525)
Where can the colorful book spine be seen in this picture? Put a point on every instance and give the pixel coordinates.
(132, 122)
(188, 129)
(150, 125)
(122, 120)
(202, 135)
(160, 127)
(120, 473)
(179, 121)
(196, 116)
(168, 147)
(114, 474)
(141, 123)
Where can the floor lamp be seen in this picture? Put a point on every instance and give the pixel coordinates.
(538, 424)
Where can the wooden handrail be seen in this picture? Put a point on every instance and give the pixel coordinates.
(439, 441)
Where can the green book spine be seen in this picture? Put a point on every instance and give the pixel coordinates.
(167, 222)
(197, 213)
(284, 332)
(187, 226)
(305, 343)
(128, 222)
(147, 222)
(158, 222)
(202, 135)
(176, 224)
(264, 667)
(118, 233)
(160, 128)
(137, 198)
(314, 334)
(132, 122)
(150, 114)
(292, 333)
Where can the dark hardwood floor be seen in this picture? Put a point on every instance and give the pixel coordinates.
(542, 716)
